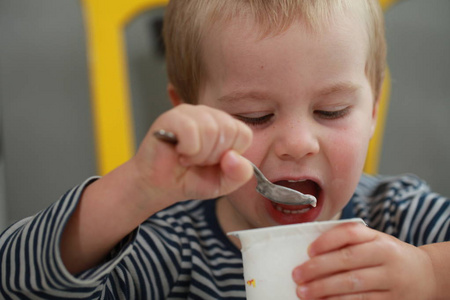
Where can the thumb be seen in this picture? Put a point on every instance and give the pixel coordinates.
(236, 171)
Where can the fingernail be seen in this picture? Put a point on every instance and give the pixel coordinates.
(302, 291)
(233, 159)
(233, 156)
(297, 275)
(311, 252)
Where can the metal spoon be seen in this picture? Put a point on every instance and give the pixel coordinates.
(276, 193)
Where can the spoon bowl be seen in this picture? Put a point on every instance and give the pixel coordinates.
(281, 194)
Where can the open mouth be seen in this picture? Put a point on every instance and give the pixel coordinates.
(304, 186)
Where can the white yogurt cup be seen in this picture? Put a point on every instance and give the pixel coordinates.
(270, 255)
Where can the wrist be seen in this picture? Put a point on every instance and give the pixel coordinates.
(438, 255)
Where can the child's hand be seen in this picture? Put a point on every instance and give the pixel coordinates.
(352, 261)
(205, 163)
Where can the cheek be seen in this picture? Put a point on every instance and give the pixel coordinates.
(346, 164)
(349, 151)
(258, 149)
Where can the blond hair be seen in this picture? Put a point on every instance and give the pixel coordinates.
(187, 21)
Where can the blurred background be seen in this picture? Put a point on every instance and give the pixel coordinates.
(46, 130)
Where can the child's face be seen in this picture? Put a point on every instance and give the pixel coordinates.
(311, 108)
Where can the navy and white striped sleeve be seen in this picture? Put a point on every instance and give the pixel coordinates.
(425, 217)
(30, 261)
(404, 207)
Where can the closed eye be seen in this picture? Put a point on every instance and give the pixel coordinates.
(255, 121)
(332, 114)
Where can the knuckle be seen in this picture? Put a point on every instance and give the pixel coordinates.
(353, 229)
(246, 131)
(315, 288)
(389, 247)
(244, 137)
(346, 255)
(189, 125)
(360, 296)
(311, 266)
(353, 282)
(190, 129)
(211, 129)
(230, 130)
(184, 106)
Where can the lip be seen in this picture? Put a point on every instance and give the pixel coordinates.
(275, 179)
(293, 217)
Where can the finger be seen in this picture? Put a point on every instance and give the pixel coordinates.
(185, 128)
(347, 258)
(236, 171)
(213, 181)
(224, 139)
(219, 132)
(209, 128)
(197, 130)
(234, 135)
(243, 139)
(340, 236)
(377, 295)
(346, 283)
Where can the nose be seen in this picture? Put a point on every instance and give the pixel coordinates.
(296, 140)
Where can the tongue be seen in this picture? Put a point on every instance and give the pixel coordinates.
(305, 187)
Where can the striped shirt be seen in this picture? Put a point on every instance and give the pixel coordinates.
(182, 253)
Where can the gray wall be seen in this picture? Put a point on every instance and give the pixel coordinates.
(46, 121)
(46, 128)
(417, 138)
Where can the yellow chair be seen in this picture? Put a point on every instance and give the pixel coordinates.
(114, 132)
(105, 23)
(374, 152)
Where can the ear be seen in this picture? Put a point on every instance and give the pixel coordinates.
(173, 95)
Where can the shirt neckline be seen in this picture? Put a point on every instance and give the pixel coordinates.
(211, 218)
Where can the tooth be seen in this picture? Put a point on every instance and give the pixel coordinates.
(287, 211)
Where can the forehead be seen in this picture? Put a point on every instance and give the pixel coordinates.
(236, 54)
(245, 23)
(274, 16)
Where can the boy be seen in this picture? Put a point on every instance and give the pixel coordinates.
(292, 86)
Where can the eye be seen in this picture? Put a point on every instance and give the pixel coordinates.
(332, 114)
(255, 121)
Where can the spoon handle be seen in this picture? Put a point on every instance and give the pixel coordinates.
(166, 136)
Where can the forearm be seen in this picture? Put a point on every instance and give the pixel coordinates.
(108, 210)
(29, 254)
(439, 255)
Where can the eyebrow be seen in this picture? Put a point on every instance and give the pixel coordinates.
(236, 96)
(346, 87)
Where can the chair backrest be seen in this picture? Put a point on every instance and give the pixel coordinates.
(110, 96)
(114, 132)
